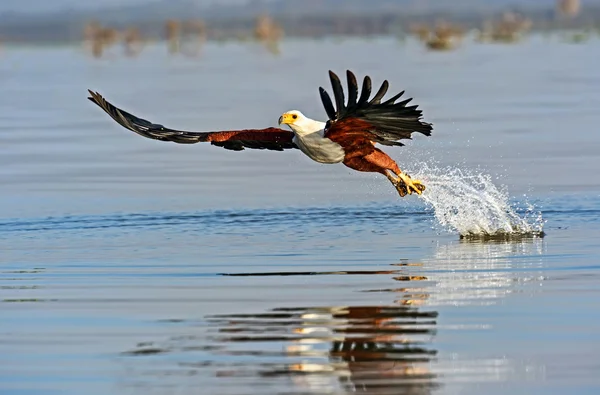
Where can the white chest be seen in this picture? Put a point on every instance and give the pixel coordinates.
(319, 149)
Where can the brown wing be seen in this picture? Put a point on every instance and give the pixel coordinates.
(270, 138)
(363, 119)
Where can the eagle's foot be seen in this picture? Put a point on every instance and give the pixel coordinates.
(406, 185)
(401, 188)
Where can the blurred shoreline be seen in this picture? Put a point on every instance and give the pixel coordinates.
(315, 19)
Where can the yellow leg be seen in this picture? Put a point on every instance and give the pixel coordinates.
(406, 185)
(412, 185)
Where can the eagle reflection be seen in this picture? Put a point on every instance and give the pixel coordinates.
(384, 344)
(367, 349)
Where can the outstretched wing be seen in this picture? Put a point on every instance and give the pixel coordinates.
(270, 138)
(382, 122)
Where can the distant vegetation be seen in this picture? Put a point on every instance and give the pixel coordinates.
(181, 36)
(185, 36)
(268, 32)
(441, 35)
(437, 30)
(509, 28)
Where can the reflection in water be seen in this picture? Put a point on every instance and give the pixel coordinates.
(384, 348)
(367, 349)
(477, 272)
(17, 282)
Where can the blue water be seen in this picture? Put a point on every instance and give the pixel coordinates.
(134, 266)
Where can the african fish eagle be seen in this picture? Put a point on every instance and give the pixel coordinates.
(349, 136)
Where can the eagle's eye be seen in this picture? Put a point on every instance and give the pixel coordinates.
(294, 116)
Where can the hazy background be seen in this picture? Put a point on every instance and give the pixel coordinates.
(63, 20)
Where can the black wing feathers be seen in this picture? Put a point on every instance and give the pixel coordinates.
(392, 99)
(329, 109)
(380, 93)
(143, 127)
(159, 132)
(366, 91)
(338, 91)
(391, 121)
(352, 92)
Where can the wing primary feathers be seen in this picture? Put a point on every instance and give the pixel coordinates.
(392, 99)
(380, 93)
(326, 99)
(338, 94)
(129, 121)
(269, 138)
(352, 90)
(385, 122)
(403, 103)
(365, 92)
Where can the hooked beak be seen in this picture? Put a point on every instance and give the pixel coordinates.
(286, 118)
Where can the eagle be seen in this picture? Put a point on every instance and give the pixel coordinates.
(353, 129)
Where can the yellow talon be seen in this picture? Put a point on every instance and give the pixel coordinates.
(419, 187)
(406, 185)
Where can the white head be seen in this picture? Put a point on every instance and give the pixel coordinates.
(299, 123)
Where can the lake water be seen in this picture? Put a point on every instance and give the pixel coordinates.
(133, 266)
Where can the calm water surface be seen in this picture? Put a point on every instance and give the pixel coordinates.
(131, 266)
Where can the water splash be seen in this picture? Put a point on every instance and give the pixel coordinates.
(469, 203)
